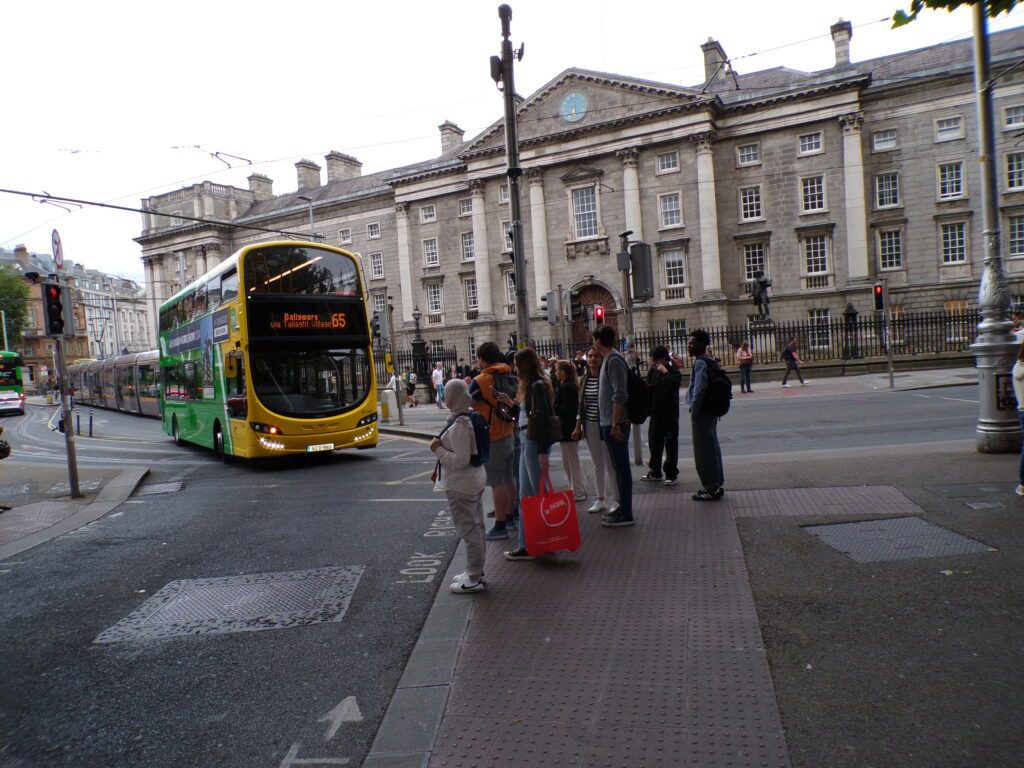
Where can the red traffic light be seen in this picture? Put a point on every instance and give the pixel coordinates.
(598, 313)
(879, 294)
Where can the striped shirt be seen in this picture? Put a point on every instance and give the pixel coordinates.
(590, 399)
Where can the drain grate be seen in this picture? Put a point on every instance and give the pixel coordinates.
(240, 604)
(155, 488)
(899, 538)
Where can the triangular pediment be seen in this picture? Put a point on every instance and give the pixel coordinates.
(581, 173)
(584, 101)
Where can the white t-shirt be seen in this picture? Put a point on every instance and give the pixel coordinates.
(437, 377)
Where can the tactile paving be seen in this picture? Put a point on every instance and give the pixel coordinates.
(898, 538)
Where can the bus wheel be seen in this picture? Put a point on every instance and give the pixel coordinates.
(174, 431)
(218, 445)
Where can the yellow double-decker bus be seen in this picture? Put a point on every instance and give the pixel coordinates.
(268, 354)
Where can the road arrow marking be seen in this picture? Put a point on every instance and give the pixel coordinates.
(346, 712)
(292, 758)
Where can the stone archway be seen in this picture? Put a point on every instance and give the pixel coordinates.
(589, 296)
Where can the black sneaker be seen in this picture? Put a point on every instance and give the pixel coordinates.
(719, 494)
(652, 477)
(519, 554)
(619, 521)
(703, 495)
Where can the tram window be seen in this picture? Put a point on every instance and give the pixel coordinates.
(229, 286)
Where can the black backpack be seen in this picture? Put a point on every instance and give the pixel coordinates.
(718, 396)
(638, 397)
(482, 434)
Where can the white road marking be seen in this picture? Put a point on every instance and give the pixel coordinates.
(346, 712)
(292, 759)
(410, 477)
(913, 394)
(960, 399)
(422, 501)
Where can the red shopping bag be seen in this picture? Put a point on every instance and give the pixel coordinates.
(549, 521)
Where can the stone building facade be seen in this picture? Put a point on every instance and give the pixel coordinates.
(116, 312)
(824, 181)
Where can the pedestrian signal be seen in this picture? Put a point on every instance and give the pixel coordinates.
(598, 314)
(575, 307)
(879, 294)
(53, 309)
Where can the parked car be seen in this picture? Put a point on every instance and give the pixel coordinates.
(12, 402)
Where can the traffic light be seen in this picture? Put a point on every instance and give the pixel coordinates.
(549, 307)
(598, 315)
(53, 309)
(643, 275)
(879, 293)
(575, 307)
(375, 325)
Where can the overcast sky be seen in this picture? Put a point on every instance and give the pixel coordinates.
(110, 99)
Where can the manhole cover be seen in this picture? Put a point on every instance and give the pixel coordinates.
(155, 488)
(899, 538)
(240, 604)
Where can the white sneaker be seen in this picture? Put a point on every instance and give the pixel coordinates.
(464, 584)
(804, 383)
(459, 577)
(613, 508)
(1020, 490)
(597, 506)
(786, 386)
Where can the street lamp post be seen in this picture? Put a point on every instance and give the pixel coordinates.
(312, 231)
(419, 347)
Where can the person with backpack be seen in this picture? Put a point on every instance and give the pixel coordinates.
(567, 406)
(663, 431)
(460, 450)
(707, 453)
(495, 379)
(614, 421)
(793, 362)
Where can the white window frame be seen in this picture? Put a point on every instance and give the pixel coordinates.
(503, 194)
(677, 255)
(746, 264)
(944, 130)
(804, 263)
(379, 301)
(743, 203)
(436, 347)
(373, 230)
(754, 160)
(1011, 240)
(1020, 171)
(964, 244)
(377, 266)
(1013, 117)
(432, 309)
(471, 250)
(883, 134)
(509, 280)
(806, 144)
(464, 209)
(428, 251)
(428, 214)
(879, 205)
(471, 294)
(345, 236)
(818, 323)
(506, 236)
(879, 246)
(668, 162)
(570, 194)
(662, 223)
(824, 194)
(959, 195)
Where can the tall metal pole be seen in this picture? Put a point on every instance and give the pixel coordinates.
(562, 337)
(998, 429)
(3, 316)
(399, 394)
(627, 309)
(65, 414)
(514, 172)
(117, 324)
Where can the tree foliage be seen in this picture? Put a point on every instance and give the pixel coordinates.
(14, 303)
(994, 7)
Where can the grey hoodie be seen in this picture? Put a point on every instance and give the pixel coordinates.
(458, 444)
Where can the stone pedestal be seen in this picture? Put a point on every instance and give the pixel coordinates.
(763, 339)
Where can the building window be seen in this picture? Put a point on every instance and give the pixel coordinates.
(818, 335)
(510, 293)
(748, 154)
(675, 269)
(959, 325)
(668, 162)
(468, 247)
(671, 210)
(1016, 237)
(472, 299)
(503, 193)
(376, 266)
(373, 230)
(954, 243)
(812, 190)
(506, 230)
(466, 206)
(380, 302)
(584, 211)
(1015, 170)
(810, 143)
(951, 180)
(890, 249)
(433, 298)
(344, 236)
(677, 334)
(887, 190)
(816, 255)
(430, 252)
(883, 140)
(750, 203)
(949, 128)
(428, 214)
(753, 260)
(1013, 117)
(436, 347)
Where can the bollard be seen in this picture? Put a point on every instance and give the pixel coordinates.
(90, 422)
(78, 421)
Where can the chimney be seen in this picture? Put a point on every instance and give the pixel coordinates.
(308, 173)
(714, 62)
(341, 167)
(262, 187)
(22, 255)
(842, 31)
(451, 136)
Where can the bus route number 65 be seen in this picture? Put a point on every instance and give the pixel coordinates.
(338, 320)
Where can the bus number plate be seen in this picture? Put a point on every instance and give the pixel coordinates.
(321, 447)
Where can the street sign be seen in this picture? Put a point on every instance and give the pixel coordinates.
(58, 251)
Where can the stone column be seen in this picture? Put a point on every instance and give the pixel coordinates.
(539, 232)
(152, 306)
(213, 255)
(200, 255)
(485, 303)
(856, 212)
(710, 264)
(631, 190)
(404, 261)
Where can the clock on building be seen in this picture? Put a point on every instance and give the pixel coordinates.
(574, 106)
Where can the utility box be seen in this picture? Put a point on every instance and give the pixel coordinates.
(388, 404)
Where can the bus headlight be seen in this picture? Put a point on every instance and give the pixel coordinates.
(367, 420)
(272, 445)
(265, 429)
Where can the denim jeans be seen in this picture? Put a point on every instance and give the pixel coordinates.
(1021, 415)
(618, 450)
(439, 394)
(529, 476)
(745, 378)
(707, 453)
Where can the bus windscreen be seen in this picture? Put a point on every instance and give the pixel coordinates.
(296, 270)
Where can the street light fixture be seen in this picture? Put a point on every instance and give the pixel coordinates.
(312, 231)
(419, 347)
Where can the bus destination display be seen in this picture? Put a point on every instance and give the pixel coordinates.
(306, 319)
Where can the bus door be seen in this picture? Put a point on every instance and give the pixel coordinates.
(234, 385)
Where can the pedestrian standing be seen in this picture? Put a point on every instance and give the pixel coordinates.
(437, 379)
(1018, 389)
(793, 362)
(588, 426)
(567, 405)
(745, 360)
(463, 483)
(707, 454)
(611, 397)
(410, 387)
(580, 361)
(663, 379)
